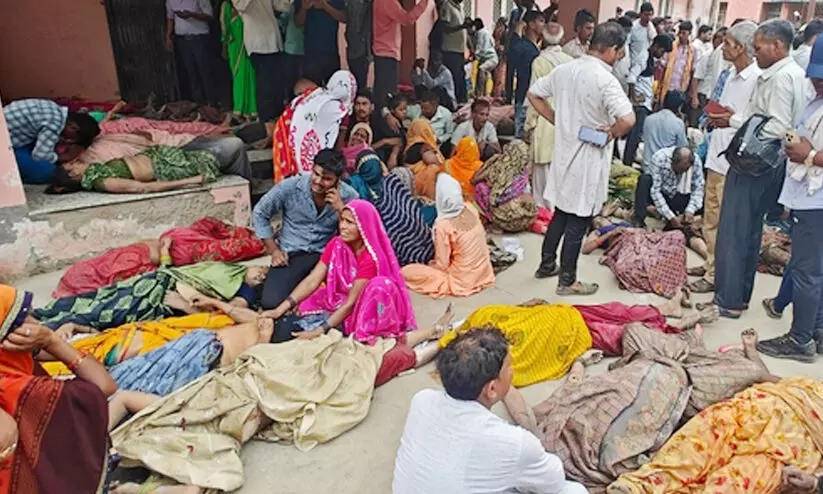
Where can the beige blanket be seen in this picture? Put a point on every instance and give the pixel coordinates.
(313, 391)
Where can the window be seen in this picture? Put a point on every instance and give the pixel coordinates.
(468, 9)
(497, 10)
(721, 14)
(771, 10)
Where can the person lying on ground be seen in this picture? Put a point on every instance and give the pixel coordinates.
(546, 338)
(208, 239)
(157, 169)
(461, 264)
(661, 380)
(452, 442)
(42, 418)
(310, 206)
(156, 294)
(44, 134)
(604, 230)
(355, 286)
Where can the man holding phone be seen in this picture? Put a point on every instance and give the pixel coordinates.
(588, 100)
(310, 206)
(187, 27)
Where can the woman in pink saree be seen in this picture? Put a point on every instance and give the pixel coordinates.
(355, 287)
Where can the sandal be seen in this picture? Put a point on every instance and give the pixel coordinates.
(696, 271)
(771, 311)
(729, 314)
(542, 273)
(585, 289)
(701, 286)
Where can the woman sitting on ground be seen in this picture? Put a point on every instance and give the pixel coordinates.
(423, 158)
(43, 419)
(359, 141)
(356, 286)
(208, 239)
(410, 237)
(464, 164)
(500, 189)
(157, 169)
(607, 425)
(155, 295)
(461, 265)
(311, 122)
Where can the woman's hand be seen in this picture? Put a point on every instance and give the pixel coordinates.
(8, 435)
(273, 313)
(798, 151)
(308, 335)
(29, 338)
(203, 302)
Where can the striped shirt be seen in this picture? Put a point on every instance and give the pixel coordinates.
(36, 121)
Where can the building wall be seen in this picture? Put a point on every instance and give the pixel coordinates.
(743, 9)
(51, 48)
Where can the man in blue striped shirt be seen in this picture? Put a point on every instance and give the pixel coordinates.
(44, 133)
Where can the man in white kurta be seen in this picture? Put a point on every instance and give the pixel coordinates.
(586, 94)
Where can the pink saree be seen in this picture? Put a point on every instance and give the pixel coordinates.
(384, 308)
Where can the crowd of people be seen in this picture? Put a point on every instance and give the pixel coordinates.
(172, 353)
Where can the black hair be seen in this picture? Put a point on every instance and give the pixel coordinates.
(675, 101)
(608, 35)
(63, 183)
(478, 24)
(664, 42)
(87, 127)
(430, 96)
(685, 26)
(625, 22)
(331, 161)
(721, 31)
(532, 15)
(583, 16)
(646, 7)
(477, 103)
(631, 14)
(704, 29)
(657, 21)
(435, 53)
(812, 30)
(396, 100)
(472, 360)
(365, 93)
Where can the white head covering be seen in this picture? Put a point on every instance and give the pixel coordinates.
(449, 197)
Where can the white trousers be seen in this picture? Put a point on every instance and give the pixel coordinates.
(540, 176)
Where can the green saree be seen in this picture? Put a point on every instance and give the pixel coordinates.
(244, 87)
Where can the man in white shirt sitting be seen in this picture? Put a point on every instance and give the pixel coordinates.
(480, 129)
(452, 442)
(440, 118)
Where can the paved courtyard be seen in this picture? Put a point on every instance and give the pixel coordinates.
(362, 460)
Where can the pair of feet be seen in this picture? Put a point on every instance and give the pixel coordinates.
(576, 288)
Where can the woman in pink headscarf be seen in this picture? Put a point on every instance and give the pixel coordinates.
(356, 286)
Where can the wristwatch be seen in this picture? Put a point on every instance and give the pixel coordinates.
(810, 158)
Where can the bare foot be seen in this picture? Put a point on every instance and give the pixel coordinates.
(749, 339)
(672, 308)
(128, 488)
(591, 357)
(709, 314)
(443, 324)
(534, 302)
(265, 329)
(576, 373)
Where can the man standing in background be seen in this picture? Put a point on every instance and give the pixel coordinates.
(358, 39)
(450, 15)
(320, 19)
(187, 27)
(584, 23)
(387, 17)
(485, 54)
(523, 53)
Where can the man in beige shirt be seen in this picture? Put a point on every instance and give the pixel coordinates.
(780, 94)
(584, 23)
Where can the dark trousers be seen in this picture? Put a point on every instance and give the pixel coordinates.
(385, 79)
(643, 197)
(294, 70)
(509, 91)
(694, 113)
(745, 200)
(360, 68)
(321, 66)
(807, 274)
(635, 135)
(282, 280)
(230, 153)
(571, 229)
(268, 73)
(455, 62)
(198, 61)
(786, 292)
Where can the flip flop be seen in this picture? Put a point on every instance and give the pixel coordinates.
(701, 286)
(541, 274)
(728, 314)
(587, 289)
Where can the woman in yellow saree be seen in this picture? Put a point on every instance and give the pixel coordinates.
(423, 157)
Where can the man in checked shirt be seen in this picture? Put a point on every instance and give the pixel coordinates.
(44, 134)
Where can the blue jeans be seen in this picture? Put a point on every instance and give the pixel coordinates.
(807, 274)
(784, 294)
(519, 119)
(33, 171)
(745, 201)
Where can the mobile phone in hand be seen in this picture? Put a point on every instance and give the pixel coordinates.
(593, 136)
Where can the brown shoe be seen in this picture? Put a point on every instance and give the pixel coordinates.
(698, 271)
(701, 286)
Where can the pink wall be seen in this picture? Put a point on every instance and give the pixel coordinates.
(743, 9)
(52, 48)
(11, 188)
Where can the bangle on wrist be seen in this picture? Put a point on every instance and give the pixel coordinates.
(72, 366)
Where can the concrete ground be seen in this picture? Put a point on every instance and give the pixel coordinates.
(362, 460)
